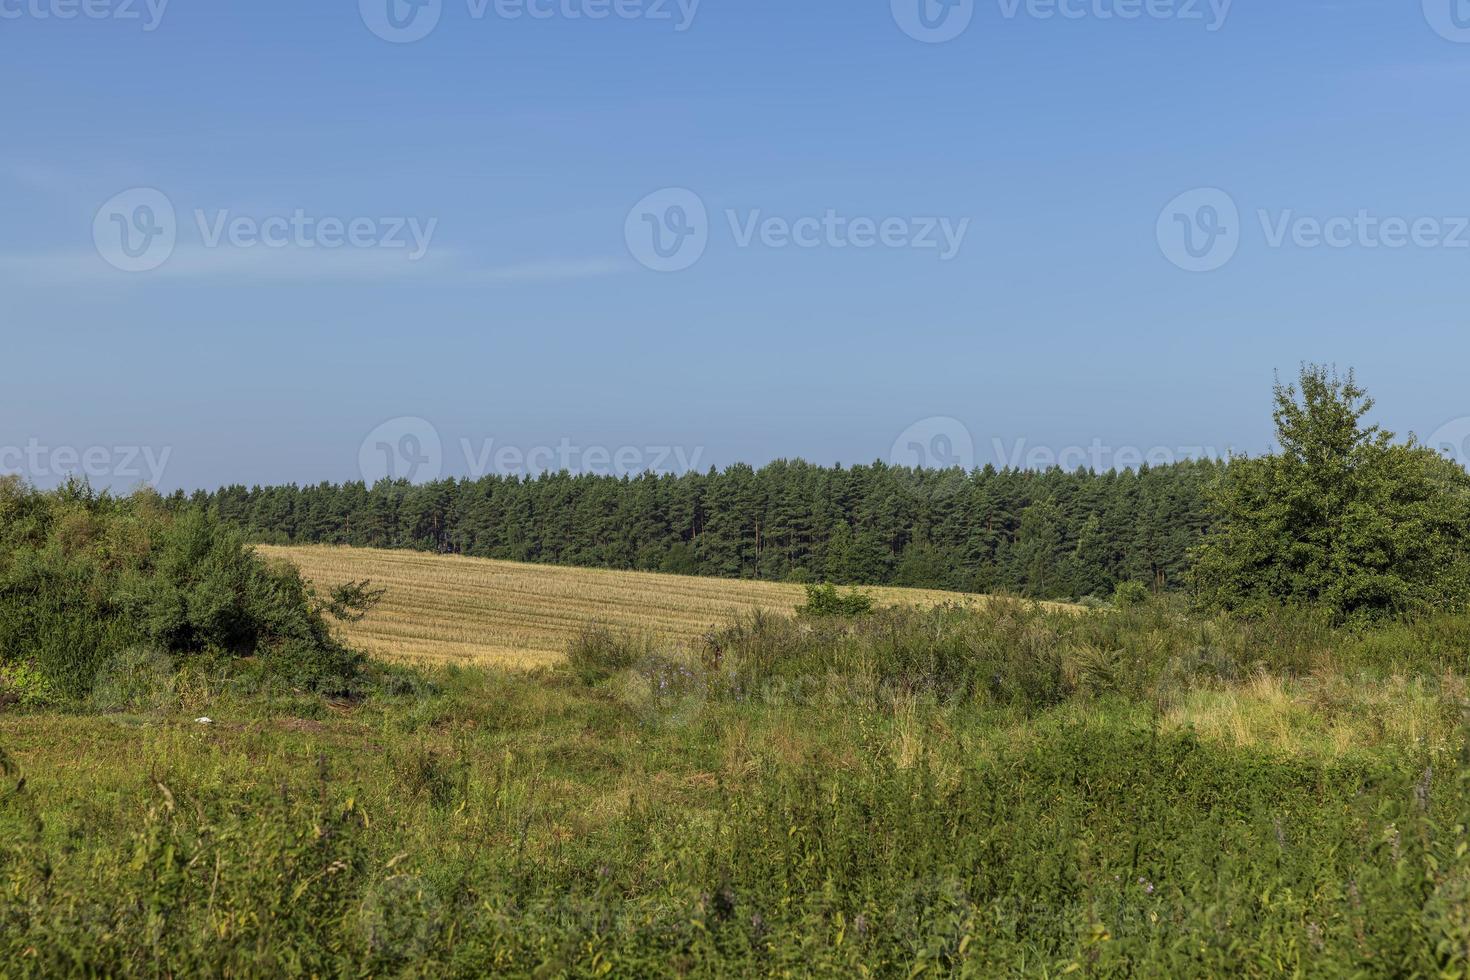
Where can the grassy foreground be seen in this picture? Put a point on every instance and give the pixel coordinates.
(443, 609)
(1001, 791)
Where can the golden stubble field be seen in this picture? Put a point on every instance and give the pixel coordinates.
(449, 609)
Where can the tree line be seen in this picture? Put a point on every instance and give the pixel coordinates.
(1052, 534)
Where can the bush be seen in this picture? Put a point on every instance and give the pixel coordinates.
(86, 580)
(1130, 594)
(824, 600)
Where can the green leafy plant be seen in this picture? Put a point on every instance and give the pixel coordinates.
(1129, 594)
(24, 683)
(825, 601)
(351, 601)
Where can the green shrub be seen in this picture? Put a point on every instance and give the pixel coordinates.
(351, 601)
(1130, 594)
(24, 684)
(825, 600)
(86, 578)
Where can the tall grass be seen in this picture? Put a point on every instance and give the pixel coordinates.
(531, 826)
(1020, 654)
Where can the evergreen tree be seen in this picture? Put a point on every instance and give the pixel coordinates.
(790, 520)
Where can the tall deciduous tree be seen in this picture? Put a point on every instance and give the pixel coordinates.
(1340, 515)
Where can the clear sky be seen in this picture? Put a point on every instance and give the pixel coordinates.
(979, 239)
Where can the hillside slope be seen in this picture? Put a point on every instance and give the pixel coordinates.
(444, 608)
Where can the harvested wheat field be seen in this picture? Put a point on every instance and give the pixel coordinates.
(445, 608)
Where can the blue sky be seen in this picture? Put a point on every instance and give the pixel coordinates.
(524, 143)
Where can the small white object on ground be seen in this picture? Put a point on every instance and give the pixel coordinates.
(205, 721)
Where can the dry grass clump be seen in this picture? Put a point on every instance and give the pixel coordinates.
(1325, 715)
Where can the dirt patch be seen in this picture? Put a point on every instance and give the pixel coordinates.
(300, 725)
